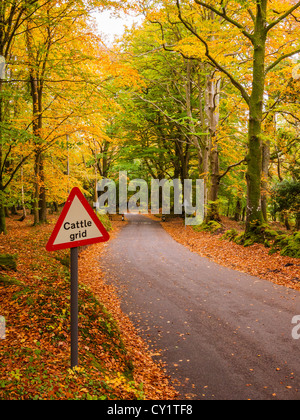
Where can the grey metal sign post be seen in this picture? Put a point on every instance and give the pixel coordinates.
(74, 307)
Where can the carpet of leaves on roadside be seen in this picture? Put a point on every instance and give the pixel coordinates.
(35, 355)
(254, 260)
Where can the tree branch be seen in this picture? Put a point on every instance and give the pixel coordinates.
(276, 62)
(251, 14)
(282, 17)
(4, 161)
(224, 15)
(235, 83)
(230, 167)
(22, 161)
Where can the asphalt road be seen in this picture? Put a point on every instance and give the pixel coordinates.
(223, 334)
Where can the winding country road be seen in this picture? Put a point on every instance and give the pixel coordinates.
(223, 334)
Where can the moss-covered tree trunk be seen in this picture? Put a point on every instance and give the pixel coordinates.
(39, 208)
(2, 219)
(2, 210)
(212, 102)
(36, 83)
(254, 158)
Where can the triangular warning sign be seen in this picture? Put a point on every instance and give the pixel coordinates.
(77, 225)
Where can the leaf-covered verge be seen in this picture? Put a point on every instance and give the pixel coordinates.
(288, 244)
(114, 363)
(255, 259)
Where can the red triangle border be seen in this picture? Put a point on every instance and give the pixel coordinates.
(76, 192)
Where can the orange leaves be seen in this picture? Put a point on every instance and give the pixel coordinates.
(35, 356)
(254, 260)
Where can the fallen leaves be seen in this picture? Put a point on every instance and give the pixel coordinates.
(253, 260)
(35, 356)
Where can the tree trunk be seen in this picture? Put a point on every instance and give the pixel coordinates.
(2, 212)
(286, 222)
(253, 176)
(213, 192)
(270, 130)
(297, 227)
(23, 196)
(254, 159)
(189, 110)
(40, 206)
(2, 218)
(238, 209)
(265, 175)
(36, 190)
(42, 193)
(212, 100)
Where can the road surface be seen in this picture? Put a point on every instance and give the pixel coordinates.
(223, 334)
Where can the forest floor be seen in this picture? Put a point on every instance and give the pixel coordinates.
(254, 260)
(114, 362)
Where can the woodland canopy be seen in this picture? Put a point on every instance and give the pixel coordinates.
(200, 89)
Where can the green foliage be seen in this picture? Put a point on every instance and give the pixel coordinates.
(212, 227)
(239, 239)
(8, 261)
(286, 196)
(104, 219)
(287, 245)
(8, 280)
(230, 234)
(260, 233)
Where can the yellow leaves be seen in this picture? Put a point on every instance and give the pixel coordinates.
(127, 76)
(191, 47)
(296, 72)
(277, 7)
(76, 370)
(157, 15)
(119, 380)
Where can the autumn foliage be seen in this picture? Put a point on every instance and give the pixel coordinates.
(198, 90)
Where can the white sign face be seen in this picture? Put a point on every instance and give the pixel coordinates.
(77, 225)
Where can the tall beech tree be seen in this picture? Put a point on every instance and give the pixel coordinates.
(12, 16)
(254, 22)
